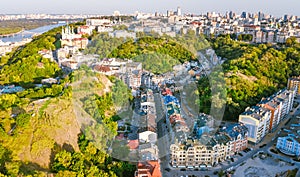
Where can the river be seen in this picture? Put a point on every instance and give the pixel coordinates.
(27, 34)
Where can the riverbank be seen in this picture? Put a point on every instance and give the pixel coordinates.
(10, 27)
(10, 31)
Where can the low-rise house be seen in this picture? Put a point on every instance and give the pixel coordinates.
(80, 43)
(49, 81)
(103, 70)
(66, 51)
(148, 151)
(105, 28)
(149, 168)
(46, 54)
(11, 89)
(84, 30)
(288, 141)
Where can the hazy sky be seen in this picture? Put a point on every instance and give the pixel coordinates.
(274, 7)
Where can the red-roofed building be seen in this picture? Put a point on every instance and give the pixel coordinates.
(133, 144)
(148, 169)
(103, 69)
(120, 136)
(167, 91)
(78, 42)
(84, 30)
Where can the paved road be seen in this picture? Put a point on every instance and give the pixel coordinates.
(163, 140)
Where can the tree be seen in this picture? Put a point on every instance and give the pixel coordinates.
(240, 37)
(62, 161)
(291, 41)
(5, 156)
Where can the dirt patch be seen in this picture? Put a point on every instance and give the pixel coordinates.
(256, 172)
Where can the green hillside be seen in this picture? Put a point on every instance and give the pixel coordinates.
(41, 132)
(251, 72)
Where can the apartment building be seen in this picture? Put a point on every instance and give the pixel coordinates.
(294, 84)
(207, 151)
(280, 104)
(207, 148)
(266, 116)
(257, 120)
(288, 141)
(238, 133)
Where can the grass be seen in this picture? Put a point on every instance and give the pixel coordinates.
(11, 30)
(42, 109)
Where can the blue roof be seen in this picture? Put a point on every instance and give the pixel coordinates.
(169, 98)
(233, 130)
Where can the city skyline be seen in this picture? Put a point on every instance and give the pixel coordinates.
(273, 7)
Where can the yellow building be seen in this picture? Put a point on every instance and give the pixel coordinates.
(257, 120)
(207, 151)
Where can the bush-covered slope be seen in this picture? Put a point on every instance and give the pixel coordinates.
(251, 72)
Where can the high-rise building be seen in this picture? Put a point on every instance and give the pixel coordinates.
(294, 84)
(257, 120)
(170, 13)
(178, 11)
(260, 16)
(244, 15)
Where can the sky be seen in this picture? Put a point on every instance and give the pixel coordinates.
(106, 7)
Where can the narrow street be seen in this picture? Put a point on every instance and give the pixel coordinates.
(163, 137)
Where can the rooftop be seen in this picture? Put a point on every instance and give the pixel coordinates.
(256, 112)
(293, 132)
(235, 129)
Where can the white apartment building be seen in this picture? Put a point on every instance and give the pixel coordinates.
(257, 120)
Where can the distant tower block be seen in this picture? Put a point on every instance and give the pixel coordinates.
(178, 11)
(116, 13)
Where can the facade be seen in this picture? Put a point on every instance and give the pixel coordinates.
(68, 33)
(207, 151)
(133, 74)
(239, 136)
(288, 141)
(294, 84)
(122, 33)
(206, 148)
(85, 30)
(148, 169)
(266, 116)
(257, 120)
(275, 107)
(78, 42)
(280, 104)
(289, 145)
(97, 22)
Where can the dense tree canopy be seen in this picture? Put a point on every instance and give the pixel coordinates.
(25, 65)
(90, 161)
(251, 72)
